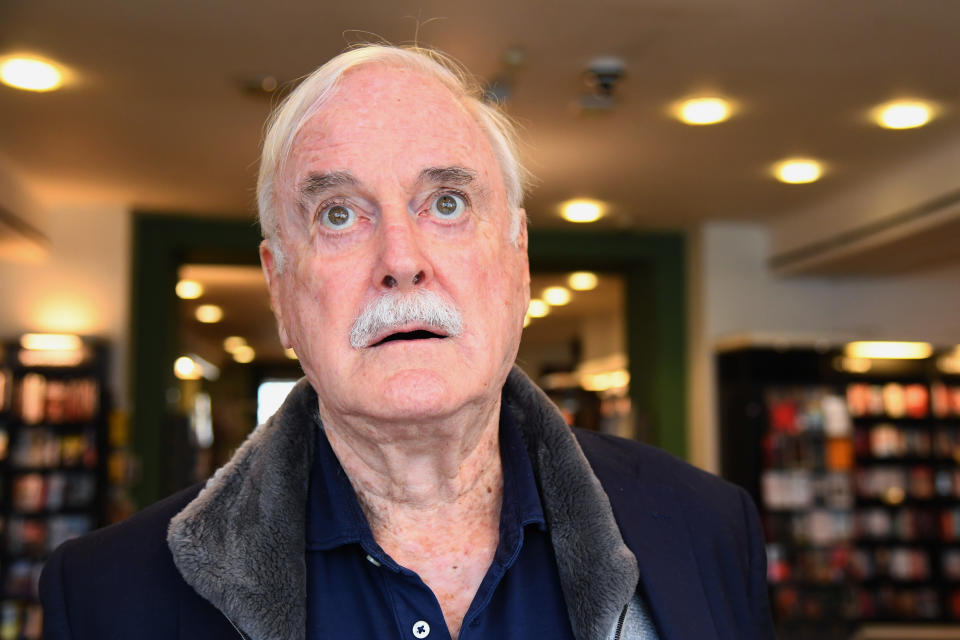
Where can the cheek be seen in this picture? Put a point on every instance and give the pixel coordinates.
(493, 286)
(317, 305)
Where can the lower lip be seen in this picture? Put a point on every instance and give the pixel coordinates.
(417, 341)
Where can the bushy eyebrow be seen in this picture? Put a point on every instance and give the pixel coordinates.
(316, 184)
(457, 176)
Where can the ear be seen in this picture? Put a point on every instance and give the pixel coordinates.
(522, 231)
(268, 264)
(524, 257)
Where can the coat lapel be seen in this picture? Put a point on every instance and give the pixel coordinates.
(598, 573)
(658, 535)
(241, 543)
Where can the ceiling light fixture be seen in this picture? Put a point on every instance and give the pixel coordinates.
(185, 368)
(556, 296)
(949, 363)
(702, 111)
(189, 289)
(232, 343)
(582, 210)
(798, 171)
(244, 354)
(891, 350)
(51, 342)
(30, 73)
(538, 308)
(903, 114)
(209, 313)
(582, 280)
(291, 354)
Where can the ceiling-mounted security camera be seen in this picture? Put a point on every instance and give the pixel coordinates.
(603, 73)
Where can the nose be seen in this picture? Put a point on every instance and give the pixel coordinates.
(403, 262)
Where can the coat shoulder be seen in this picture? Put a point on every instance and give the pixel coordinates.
(142, 536)
(625, 467)
(629, 461)
(117, 579)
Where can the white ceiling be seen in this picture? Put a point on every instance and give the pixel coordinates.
(157, 118)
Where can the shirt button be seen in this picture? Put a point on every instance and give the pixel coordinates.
(421, 629)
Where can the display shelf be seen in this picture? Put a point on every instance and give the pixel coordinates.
(857, 477)
(53, 431)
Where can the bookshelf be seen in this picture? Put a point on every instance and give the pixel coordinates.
(53, 428)
(857, 477)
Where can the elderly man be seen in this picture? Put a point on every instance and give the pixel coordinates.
(414, 485)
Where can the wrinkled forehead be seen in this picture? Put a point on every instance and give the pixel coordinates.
(395, 117)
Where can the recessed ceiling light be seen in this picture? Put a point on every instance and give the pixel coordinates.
(903, 114)
(538, 308)
(556, 296)
(892, 350)
(209, 313)
(705, 110)
(582, 210)
(949, 363)
(51, 341)
(30, 73)
(290, 353)
(526, 321)
(798, 171)
(232, 343)
(189, 289)
(582, 280)
(186, 368)
(244, 354)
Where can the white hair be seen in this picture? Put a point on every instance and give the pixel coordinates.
(394, 310)
(293, 113)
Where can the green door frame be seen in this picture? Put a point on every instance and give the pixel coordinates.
(652, 265)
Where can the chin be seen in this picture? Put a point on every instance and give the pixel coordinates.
(419, 394)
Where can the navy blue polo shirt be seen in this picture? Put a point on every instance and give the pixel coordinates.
(356, 591)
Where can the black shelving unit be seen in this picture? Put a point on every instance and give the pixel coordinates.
(857, 476)
(53, 448)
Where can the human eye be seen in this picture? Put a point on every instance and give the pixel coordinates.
(337, 217)
(448, 206)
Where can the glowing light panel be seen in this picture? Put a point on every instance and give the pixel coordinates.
(903, 114)
(582, 210)
(798, 171)
(556, 296)
(189, 289)
(582, 280)
(701, 111)
(538, 308)
(30, 74)
(889, 350)
(209, 313)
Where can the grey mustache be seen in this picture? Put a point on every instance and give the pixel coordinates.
(394, 310)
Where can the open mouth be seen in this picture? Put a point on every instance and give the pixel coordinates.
(419, 334)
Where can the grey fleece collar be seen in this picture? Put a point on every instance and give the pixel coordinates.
(240, 543)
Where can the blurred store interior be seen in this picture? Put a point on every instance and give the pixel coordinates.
(757, 189)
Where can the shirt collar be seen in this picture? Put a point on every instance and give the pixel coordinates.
(334, 517)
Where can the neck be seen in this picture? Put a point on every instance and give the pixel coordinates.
(419, 466)
(432, 493)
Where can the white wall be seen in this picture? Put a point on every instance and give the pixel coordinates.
(736, 294)
(17, 199)
(743, 296)
(82, 286)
